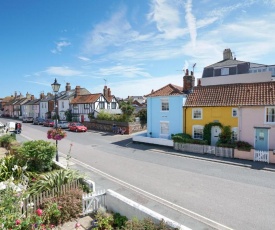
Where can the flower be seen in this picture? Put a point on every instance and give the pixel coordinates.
(56, 134)
(17, 222)
(77, 225)
(39, 212)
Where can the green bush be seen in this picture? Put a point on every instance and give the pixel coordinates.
(50, 180)
(119, 220)
(6, 139)
(186, 138)
(38, 155)
(242, 145)
(142, 114)
(104, 220)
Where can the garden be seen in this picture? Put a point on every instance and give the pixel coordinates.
(36, 194)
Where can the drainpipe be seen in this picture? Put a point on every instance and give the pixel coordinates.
(240, 122)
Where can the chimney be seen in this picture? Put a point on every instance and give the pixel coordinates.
(68, 87)
(227, 54)
(28, 96)
(42, 95)
(105, 91)
(109, 92)
(15, 94)
(77, 91)
(188, 82)
(32, 97)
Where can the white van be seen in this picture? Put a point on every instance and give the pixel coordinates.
(13, 127)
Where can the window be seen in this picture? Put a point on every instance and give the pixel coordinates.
(164, 104)
(62, 104)
(86, 106)
(234, 112)
(164, 127)
(259, 70)
(101, 105)
(235, 132)
(225, 71)
(198, 132)
(270, 114)
(197, 113)
(75, 107)
(113, 105)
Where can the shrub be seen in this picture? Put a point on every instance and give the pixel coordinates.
(50, 180)
(69, 206)
(37, 155)
(142, 114)
(104, 220)
(242, 145)
(145, 224)
(5, 140)
(180, 137)
(119, 220)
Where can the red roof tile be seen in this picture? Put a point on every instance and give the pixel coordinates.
(167, 90)
(233, 95)
(85, 99)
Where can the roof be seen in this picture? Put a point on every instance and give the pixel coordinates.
(84, 99)
(167, 90)
(248, 94)
(226, 62)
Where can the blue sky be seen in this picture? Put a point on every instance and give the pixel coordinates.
(132, 45)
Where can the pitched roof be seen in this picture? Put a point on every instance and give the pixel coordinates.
(262, 93)
(85, 99)
(167, 90)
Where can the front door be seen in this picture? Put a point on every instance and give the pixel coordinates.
(261, 139)
(215, 132)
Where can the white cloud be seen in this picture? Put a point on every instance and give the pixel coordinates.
(167, 18)
(123, 71)
(191, 22)
(62, 71)
(59, 46)
(84, 58)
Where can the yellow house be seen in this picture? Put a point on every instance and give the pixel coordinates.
(208, 104)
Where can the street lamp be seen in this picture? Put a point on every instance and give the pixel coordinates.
(56, 87)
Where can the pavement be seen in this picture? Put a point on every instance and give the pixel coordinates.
(83, 223)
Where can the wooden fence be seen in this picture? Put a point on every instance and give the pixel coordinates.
(32, 203)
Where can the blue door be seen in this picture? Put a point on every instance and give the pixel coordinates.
(261, 139)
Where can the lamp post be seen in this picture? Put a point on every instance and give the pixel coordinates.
(56, 87)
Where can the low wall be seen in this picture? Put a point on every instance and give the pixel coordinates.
(245, 155)
(150, 140)
(107, 126)
(120, 204)
(271, 157)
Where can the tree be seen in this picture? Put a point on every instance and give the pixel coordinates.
(127, 109)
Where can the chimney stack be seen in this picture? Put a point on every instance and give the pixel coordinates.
(105, 91)
(77, 91)
(109, 92)
(15, 94)
(32, 97)
(68, 87)
(42, 96)
(188, 82)
(227, 54)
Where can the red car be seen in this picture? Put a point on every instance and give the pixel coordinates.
(77, 127)
(48, 123)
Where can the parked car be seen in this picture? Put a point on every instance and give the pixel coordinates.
(48, 123)
(38, 121)
(63, 124)
(27, 119)
(77, 127)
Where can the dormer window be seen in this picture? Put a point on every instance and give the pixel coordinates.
(224, 71)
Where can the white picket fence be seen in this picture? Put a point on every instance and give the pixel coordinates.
(262, 156)
(92, 201)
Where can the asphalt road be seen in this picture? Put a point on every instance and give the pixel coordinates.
(197, 193)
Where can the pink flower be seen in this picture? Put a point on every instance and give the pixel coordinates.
(17, 222)
(77, 225)
(39, 212)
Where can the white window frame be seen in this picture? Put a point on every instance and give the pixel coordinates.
(224, 71)
(164, 104)
(164, 128)
(197, 127)
(86, 106)
(113, 105)
(235, 133)
(194, 111)
(272, 114)
(101, 105)
(235, 110)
